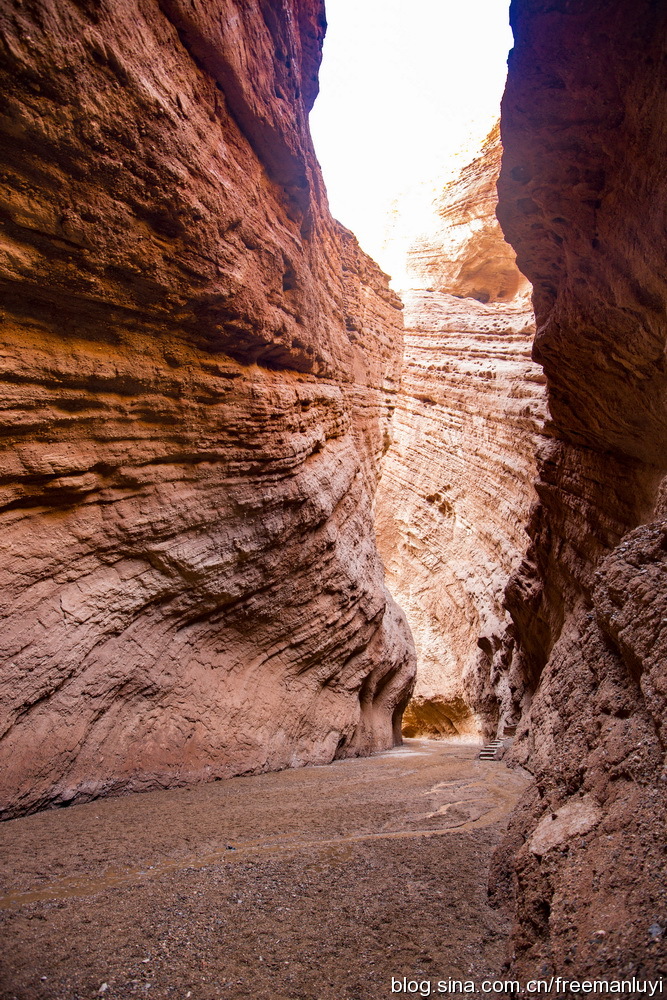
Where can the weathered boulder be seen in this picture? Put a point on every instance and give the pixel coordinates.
(198, 372)
(583, 201)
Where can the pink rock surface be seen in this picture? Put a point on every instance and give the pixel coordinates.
(454, 499)
(463, 252)
(198, 371)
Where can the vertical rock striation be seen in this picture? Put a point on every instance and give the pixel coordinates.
(198, 371)
(583, 200)
(456, 488)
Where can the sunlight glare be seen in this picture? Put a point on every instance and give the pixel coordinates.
(403, 88)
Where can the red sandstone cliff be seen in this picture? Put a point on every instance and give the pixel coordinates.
(457, 482)
(198, 370)
(583, 200)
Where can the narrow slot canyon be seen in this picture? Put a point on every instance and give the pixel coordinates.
(285, 544)
(457, 482)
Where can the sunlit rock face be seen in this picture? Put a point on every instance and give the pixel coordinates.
(463, 252)
(198, 371)
(583, 201)
(456, 487)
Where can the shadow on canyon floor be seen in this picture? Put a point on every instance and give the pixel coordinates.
(313, 884)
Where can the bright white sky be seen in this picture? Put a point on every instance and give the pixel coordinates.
(404, 84)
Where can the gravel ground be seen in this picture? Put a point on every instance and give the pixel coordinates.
(315, 884)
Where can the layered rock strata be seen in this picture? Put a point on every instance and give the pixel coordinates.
(583, 201)
(198, 371)
(463, 252)
(456, 489)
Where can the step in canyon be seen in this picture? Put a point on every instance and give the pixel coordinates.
(283, 546)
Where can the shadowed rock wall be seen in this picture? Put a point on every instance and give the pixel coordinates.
(583, 199)
(198, 370)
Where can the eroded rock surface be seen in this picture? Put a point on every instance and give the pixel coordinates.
(198, 370)
(463, 251)
(456, 488)
(583, 199)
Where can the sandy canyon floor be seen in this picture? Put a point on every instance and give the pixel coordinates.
(321, 883)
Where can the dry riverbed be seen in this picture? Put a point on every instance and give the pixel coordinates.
(313, 884)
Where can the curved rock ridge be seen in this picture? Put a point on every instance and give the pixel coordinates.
(198, 373)
(583, 201)
(454, 499)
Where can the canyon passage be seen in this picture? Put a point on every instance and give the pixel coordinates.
(310, 882)
(219, 421)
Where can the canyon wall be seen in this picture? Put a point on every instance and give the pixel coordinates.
(198, 372)
(457, 482)
(463, 252)
(583, 200)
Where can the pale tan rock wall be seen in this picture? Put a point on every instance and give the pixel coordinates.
(462, 252)
(455, 496)
(198, 371)
(582, 199)
(457, 483)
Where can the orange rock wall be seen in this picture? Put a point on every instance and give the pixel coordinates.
(198, 372)
(583, 201)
